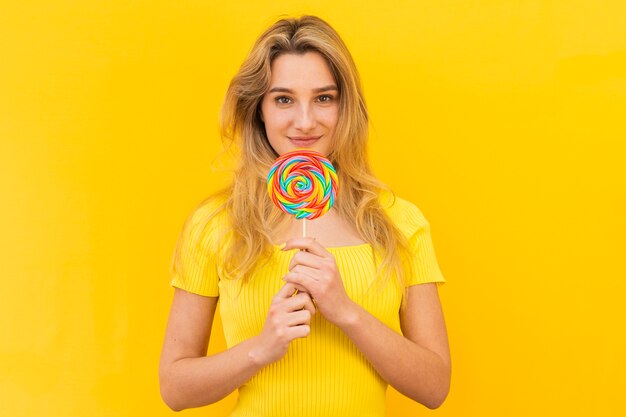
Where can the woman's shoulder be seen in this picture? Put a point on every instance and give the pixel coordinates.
(207, 219)
(405, 214)
(212, 207)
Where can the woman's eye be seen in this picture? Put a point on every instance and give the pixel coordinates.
(326, 98)
(282, 100)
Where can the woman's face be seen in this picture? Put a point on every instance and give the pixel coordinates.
(301, 107)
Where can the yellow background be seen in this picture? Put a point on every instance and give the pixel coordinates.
(504, 121)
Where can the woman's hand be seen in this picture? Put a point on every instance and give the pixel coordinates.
(288, 318)
(316, 271)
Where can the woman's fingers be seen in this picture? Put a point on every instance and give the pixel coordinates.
(301, 280)
(286, 291)
(288, 318)
(300, 301)
(307, 259)
(306, 270)
(294, 302)
(299, 318)
(299, 331)
(308, 305)
(299, 287)
(309, 244)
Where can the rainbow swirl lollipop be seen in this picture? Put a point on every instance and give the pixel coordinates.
(303, 183)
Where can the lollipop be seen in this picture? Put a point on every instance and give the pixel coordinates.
(303, 183)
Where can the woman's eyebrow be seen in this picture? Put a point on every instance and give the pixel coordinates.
(327, 88)
(315, 90)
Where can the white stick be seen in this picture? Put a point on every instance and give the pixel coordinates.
(303, 227)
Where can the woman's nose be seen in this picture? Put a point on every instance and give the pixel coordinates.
(305, 118)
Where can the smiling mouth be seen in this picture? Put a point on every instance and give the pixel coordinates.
(304, 140)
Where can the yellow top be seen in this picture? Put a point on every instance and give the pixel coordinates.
(323, 374)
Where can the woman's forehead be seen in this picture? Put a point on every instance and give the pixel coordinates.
(301, 71)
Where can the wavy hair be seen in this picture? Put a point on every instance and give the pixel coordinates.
(251, 214)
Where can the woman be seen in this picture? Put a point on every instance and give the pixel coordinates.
(318, 325)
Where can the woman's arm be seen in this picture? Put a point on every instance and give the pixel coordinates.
(188, 378)
(416, 363)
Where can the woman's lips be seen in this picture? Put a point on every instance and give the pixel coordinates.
(304, 140)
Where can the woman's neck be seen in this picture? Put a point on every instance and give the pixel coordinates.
(330, 230)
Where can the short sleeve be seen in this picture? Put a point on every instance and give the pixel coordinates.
(194, 267)
(424, 265)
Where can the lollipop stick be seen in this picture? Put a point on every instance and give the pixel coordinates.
(304, 250)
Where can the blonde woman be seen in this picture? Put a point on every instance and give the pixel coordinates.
(315, 326)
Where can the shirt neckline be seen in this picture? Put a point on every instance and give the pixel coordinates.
(332, 248)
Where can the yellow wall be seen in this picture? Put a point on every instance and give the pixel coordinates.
(504, 121)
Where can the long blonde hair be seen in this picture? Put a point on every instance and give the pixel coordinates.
(251, 214)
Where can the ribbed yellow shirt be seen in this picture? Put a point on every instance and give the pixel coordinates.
(323, 374)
